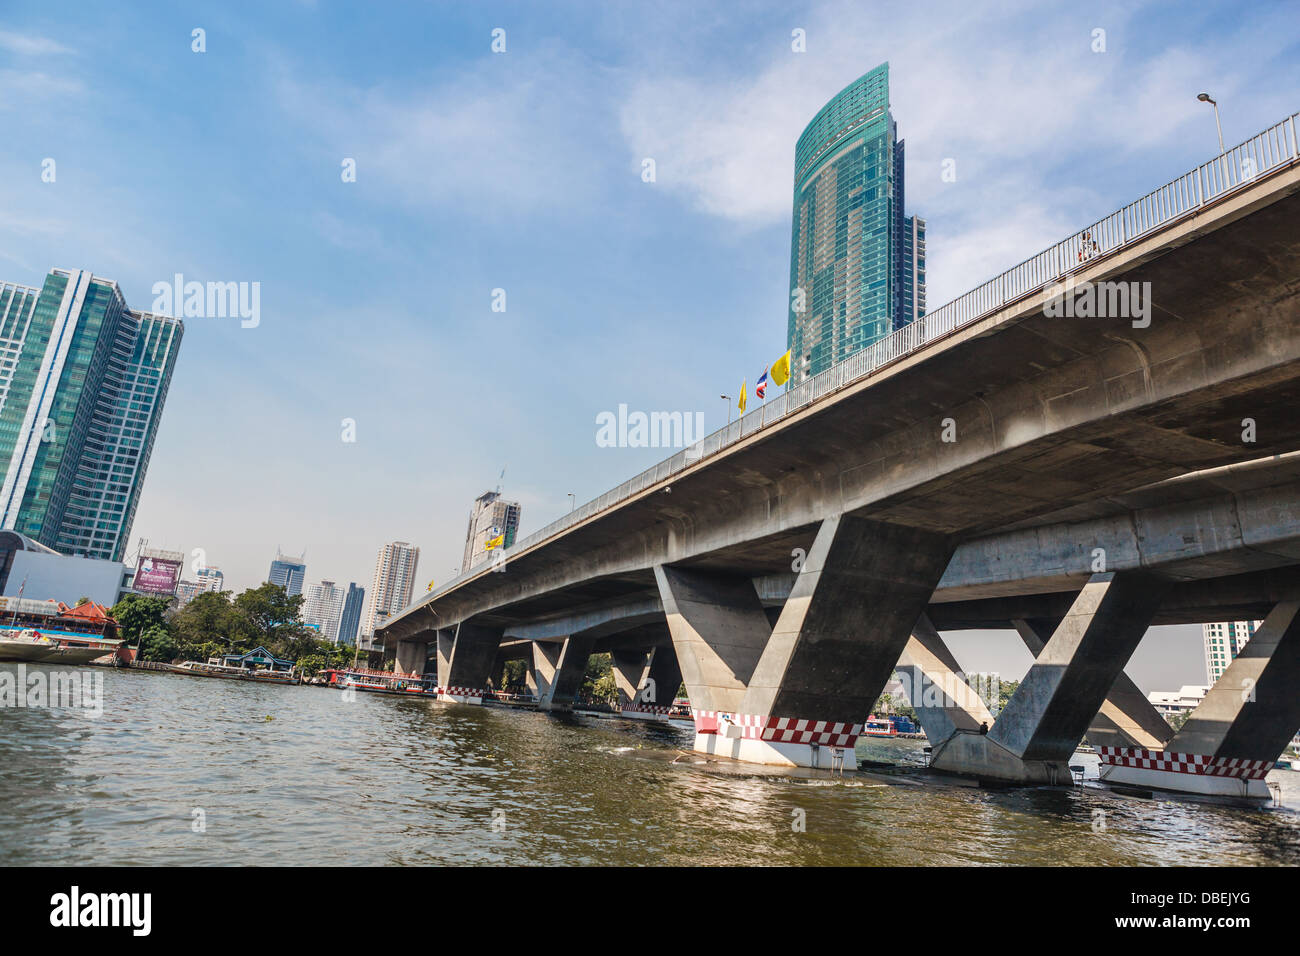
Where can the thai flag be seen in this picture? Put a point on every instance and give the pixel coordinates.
(761, 387)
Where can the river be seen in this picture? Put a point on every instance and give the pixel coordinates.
(185, 770)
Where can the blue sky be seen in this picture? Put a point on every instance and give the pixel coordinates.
(521, 171)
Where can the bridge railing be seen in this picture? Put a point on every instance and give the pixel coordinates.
(1237, 167)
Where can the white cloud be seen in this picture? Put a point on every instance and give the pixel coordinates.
(26, 44)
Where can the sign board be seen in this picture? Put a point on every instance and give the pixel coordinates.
(156, 576)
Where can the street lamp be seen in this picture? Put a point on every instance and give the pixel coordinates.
(573, 502)
(1205, 98)
(727, 399)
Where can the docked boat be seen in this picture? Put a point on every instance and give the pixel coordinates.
(212, 668)
(879, 727)
(45, 647)
(382, 682)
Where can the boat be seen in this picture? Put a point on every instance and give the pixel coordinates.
(382, 682)
(879, 727)
(212, 668)
(1286, 763)
(54, 647)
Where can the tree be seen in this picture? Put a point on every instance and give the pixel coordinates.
(209, 618)
(137, 615)
(157, 644)
(274, 618)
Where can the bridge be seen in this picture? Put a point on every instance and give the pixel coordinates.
(1039, 453)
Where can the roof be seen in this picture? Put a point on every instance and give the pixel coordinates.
(90, 612)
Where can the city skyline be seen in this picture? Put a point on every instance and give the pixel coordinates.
(1015, 189)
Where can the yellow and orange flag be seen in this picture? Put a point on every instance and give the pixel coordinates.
(744, 396)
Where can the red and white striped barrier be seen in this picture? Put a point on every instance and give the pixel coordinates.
(786, 730)
(1185, 763)
(461, 695)
(1197, 774)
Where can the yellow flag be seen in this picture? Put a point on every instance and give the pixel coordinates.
(744, 395)
(781, 369)
(495, 542)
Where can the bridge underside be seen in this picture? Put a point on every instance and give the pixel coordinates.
(1078, 479)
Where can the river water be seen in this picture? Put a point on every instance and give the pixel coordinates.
(185, 770)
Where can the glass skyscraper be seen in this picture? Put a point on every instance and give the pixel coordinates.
(83, 380)
(288, 573)
(857, 264)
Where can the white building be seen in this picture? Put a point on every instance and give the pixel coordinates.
(1223, 642)
(323, 607)
(1182, 701)
(393, 585)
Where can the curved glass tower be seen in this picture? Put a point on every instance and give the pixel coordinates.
(857, 265)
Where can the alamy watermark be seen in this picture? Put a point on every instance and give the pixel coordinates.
(212, 300)
(648, 430)
(1099, 300)
(79, 690)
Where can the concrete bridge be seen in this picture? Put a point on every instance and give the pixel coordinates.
(996, 463)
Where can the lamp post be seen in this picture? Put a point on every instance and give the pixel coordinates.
(727, 399)
(573, 502)
(1205, 98)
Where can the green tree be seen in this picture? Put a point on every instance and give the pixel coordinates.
(157, 644)
(209, 618)
(274, 619)
(137, 615)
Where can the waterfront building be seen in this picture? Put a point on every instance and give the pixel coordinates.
(350, 617)
(1223, 642)
(1182, 701)
(288, 573)
(323, 608)
(857, 264)
(393, 583)
(83, 381)
(491, 517)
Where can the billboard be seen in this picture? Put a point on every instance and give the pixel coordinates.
(154, 575)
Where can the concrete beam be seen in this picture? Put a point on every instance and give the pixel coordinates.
(719, 630)
(647, 681)
(944, 702)
(473, 652)
(570, 667)
(1035, 735)
(412, 654)
(1126, 718)
(541, 675)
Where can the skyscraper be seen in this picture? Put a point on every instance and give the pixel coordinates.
(83, 380)
(211, 579)
(491, 517)
(393, 585)
(857, 264)
(1223, 642)
(323, 608)
(350, 618)
(287, 572)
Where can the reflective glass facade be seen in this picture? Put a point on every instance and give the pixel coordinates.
(853, 276)
(82, 384)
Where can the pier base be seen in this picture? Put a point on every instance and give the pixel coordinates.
(1192, 774)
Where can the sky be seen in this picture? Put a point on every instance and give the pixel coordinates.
(521, 171)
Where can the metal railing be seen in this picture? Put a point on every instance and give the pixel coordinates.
(1273, 148)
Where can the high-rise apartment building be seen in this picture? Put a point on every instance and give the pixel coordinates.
(393, 584)
(83, 380)
(323, 608)
(491, 517)
(350, 617)
(1223, 642)
(211, 579)
(289, 573)
(857, 264)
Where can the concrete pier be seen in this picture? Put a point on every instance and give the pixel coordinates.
(1034, 736)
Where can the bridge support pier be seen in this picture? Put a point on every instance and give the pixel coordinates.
(1126, 718)
(796, 694)
(1232, 738)
(541, 675)
(944, 703)
(410, 657)
(647, 682)
(465, 658)
(570, 666)
(1032, 739)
